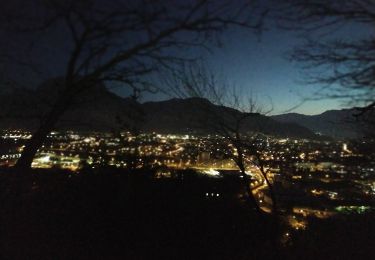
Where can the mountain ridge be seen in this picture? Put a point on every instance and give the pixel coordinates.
(101, 110)
(337, 123)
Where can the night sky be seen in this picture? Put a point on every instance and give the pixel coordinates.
(263, 67)
(260, 67)
(256, 65)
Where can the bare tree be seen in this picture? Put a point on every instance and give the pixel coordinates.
(228, 115)
(343, 66)
(120, 41)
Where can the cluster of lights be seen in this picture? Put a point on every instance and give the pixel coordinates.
(212, 194)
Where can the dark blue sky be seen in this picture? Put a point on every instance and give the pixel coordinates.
(259, 67)
(262, 68)
(256, 65)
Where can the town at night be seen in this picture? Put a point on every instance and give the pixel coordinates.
(192, 129)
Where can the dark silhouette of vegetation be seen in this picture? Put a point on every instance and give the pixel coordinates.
(112, 214)
(237, 111)
(343, 66)
(119, 41)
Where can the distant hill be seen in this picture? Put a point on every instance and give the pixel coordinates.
(96, 109)
(194, 115)
(101, 110)
(334, 123)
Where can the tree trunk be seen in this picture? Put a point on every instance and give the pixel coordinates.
(275, 209)
(245, 179)
(246, 182)
(38, 138)
(250, 195)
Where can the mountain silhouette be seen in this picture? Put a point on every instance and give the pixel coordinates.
(97, 109)
(333, 123)
(195, 114)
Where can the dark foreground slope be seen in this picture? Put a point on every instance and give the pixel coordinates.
(112, 214)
